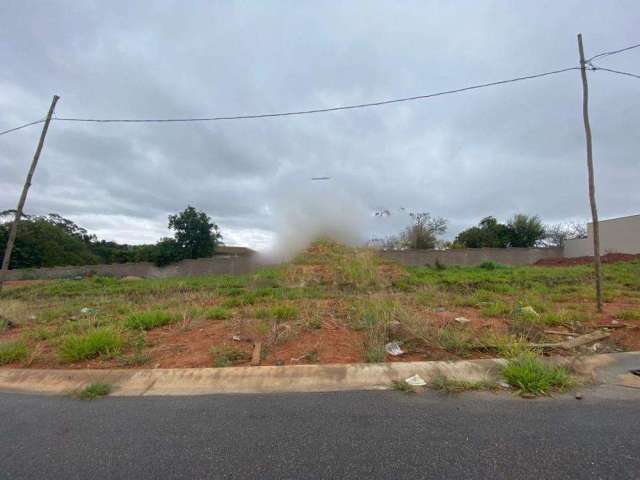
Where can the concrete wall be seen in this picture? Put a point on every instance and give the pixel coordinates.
(203, 266)
(617, 235)
(472, 256)
(247, 264)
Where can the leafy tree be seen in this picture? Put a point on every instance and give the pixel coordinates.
(520, 231)
(488, 233)
(196, 236)
(525, 231)
(40, 243)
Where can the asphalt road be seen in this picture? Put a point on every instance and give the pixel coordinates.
(329, 435)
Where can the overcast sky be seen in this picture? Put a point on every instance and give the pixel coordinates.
(495, 151)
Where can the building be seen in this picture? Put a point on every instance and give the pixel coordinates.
(617, 235)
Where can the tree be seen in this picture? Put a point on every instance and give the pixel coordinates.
(524, 230)
(41, 243)
(520, 231)
(423, 232)
(488, 233)
(196, 236)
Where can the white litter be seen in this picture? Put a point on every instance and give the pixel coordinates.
(236, 338)
(503, 384)
(393, 348)
(416, 381)
(462, 320)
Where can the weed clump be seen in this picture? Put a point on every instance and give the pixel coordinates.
(150, 319)
(529, 374)
(105, 341)
(12, 352)
(451, 385)
(94, 390)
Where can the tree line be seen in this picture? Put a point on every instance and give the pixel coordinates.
(52, 240)
(424, 232)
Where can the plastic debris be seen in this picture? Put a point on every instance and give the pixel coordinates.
(416, 381)
(393, 348)
(236, 338)
(462, 320)
(503, 384)
(88, 310)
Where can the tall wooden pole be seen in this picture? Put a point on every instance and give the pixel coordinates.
(23, 197)
(592, 188)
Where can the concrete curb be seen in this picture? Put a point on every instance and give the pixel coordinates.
(302, 378)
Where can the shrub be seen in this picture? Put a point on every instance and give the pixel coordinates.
(150, 319)
(12, 352)
(95, 390)
(104, 341)
(529, 374)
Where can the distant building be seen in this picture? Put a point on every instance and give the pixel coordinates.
(617, 235)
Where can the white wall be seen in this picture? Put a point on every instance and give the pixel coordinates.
(617, 235)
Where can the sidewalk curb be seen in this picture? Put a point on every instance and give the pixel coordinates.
(609, 368)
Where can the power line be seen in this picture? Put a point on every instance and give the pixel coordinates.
(613, 52)
(21, 126)
(318, 110)
(616, 71)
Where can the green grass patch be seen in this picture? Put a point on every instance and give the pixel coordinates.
(12, 352)
(530, 374)
(217, 313)
(94, 390)
(150, 319)
(104, 341)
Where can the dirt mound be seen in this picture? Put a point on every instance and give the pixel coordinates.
(567, 262)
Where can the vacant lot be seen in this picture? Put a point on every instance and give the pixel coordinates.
(331, 304)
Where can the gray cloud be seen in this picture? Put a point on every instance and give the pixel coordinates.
(494, 151)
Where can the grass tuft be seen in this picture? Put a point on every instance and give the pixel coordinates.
(12, 352)
(149, 320)
(403, 386)
(94, 390)
(529, 374)
(104, 341)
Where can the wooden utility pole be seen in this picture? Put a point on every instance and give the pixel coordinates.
(592, 188)
(23, 196)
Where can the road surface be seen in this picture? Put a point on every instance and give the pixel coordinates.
(369, 435)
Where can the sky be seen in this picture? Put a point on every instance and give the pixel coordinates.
(517, 148)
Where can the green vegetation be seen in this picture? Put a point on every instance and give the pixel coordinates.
(94, 390)
(12, 352)
(520, 231)
(530, 374)
(150, 319)
(628, 315)
(227, 355)
(51, 240)
(332, 292)
(402, 386)
(105, 341)
(451, 385)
